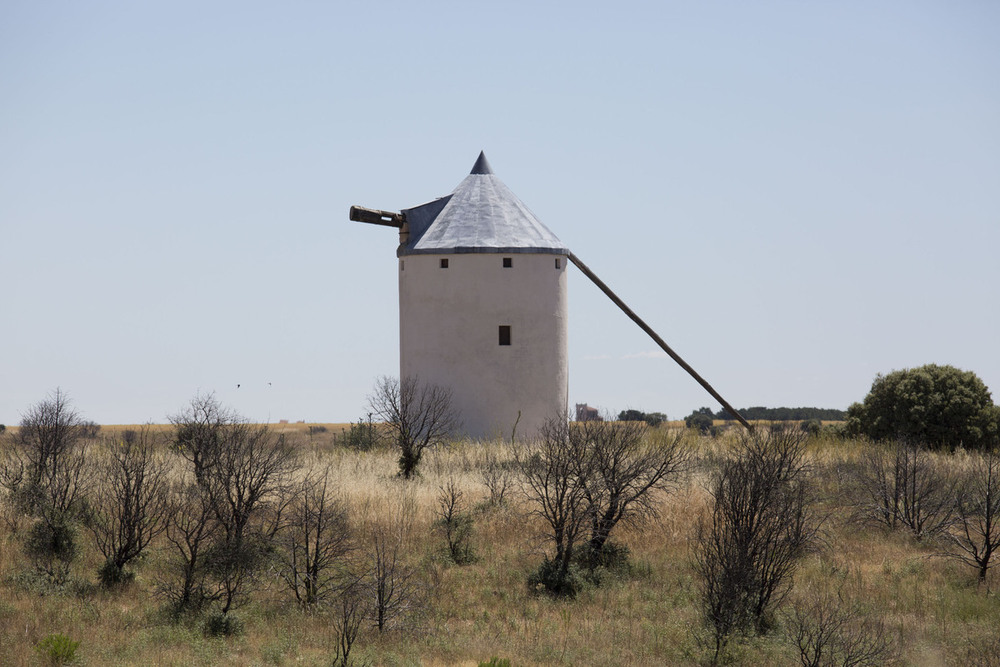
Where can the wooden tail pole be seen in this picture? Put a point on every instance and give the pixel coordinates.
(659, 341)
(376, 217)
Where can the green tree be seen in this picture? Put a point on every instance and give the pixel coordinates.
(940, 406)
(631, 415)
(653, 419)
(700, 419)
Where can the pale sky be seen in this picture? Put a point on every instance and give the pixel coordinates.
(795, 195)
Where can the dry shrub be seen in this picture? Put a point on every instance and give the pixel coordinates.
(904, 485)
(314, 539)
(831, 631)
(397, 594)
(456, 522)
(498, 477)
(975, 533)
(128, 509)
(762, 522)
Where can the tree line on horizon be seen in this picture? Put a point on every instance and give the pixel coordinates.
(783, 414)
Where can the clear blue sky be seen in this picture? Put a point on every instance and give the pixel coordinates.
(797, 196)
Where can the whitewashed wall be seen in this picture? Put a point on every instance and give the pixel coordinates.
(449, 335)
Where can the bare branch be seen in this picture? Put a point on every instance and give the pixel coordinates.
(129, 506)
(761, 523)
(315, 539)
(555, 472)
(419, 415)
(903, 486)
(626, 462)
(975, 535)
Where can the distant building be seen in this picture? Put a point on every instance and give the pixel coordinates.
(585, 413)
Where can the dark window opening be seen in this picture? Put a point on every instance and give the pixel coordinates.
(507, 262)
(444, 263)
(400, 265)
(505, 334)
(558, 263)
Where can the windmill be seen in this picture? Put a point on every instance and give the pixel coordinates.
(483, 304)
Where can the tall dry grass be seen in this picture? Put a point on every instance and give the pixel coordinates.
(649, 616)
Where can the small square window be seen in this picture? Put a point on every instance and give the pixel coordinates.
(558, 263)
(444, 262)
(508, 262)
(505, 334)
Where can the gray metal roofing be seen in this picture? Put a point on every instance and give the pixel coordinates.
(481, 215)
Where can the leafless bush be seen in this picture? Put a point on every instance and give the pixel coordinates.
(191, 531)
(62, 494)
(975, 534)
(249, 476)
(903, 486)
(982, 652)
(90, 430)
(456, 523)
(200, 431)
(627, 462)
(247, 486)
(762, 521)
(44, 473)
(351, 611)
(42, 469)
(129, 505)
(394, 590)
(498, 477)
(830, 631)
(555, 472)
(418, 415)
(590, 476)
(224, 529)
(314, 540)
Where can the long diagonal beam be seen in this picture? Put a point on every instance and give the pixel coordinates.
(659, 341)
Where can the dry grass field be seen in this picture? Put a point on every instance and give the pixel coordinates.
(931, 607)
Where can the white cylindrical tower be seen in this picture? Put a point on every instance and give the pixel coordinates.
(483, 306)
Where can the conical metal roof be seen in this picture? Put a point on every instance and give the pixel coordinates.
(481, 215)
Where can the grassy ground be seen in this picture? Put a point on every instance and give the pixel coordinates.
(648, 616)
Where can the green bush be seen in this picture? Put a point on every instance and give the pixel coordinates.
(653, 419)
(835, 431)
(361, 437)
(940, 406)
(812, 426)
(701, 419)
(456, 524)
(57, 649)
(495, 662)
(51, 543)
(613, 556)
(219, 624)
(112, 576)
(458, 533)
(550, 579)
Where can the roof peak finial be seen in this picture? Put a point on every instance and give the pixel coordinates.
(481, 166)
